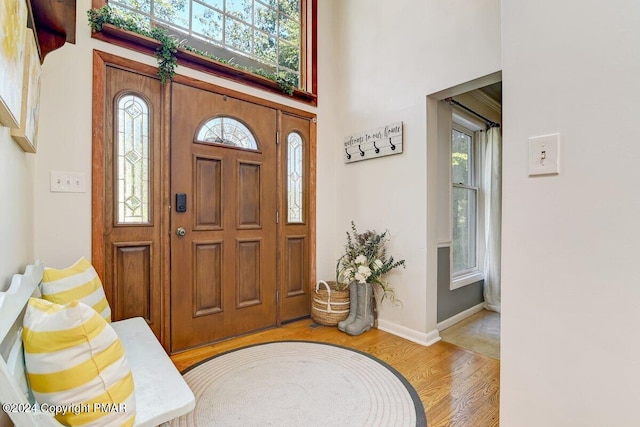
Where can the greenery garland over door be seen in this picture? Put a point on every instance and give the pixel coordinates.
(166, 53)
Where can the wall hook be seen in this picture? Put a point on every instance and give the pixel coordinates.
(374, 146)
(393, 147)
(348, 155)
(361, 152)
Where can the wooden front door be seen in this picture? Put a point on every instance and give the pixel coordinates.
(240, 265)
(223, 216)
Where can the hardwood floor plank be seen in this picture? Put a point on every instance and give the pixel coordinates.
(458, 388)
(473, 401)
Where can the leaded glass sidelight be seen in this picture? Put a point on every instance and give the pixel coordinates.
(227, 131)
(295, 176)
(132, 152)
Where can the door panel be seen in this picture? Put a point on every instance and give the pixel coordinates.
(249, 280)
(249, 195)
(132, 280)
(207, 278)
(295, 256)
(223, 271)
(208, 175)
(132, 254)
(295, 230)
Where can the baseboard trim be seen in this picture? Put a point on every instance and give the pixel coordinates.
(421, 338)
(460, 316)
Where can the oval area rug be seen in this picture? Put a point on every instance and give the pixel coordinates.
(299, 383)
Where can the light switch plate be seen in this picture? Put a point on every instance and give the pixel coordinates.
(67, 182)
(544, 155)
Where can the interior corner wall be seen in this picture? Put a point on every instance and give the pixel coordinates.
(570, 293)
(327, 252)
(389, 59)
(16, 215)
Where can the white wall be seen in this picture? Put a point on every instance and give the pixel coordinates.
(16, 208)
(328, 134)
(389, 59)
(571, 294)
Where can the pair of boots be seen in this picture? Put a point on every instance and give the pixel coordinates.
(360, 317)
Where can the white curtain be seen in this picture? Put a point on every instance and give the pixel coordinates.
(492, 188)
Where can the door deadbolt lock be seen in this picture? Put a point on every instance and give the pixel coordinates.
(181, 232)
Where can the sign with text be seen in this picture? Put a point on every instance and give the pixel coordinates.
(382, 141)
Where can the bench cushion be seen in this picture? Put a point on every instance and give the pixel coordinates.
(73, 357)
(161, 392)
(79, 282)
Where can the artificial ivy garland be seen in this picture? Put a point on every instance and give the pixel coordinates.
(166, 53)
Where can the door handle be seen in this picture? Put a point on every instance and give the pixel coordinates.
(181, 232)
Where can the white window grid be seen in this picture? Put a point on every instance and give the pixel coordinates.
(472, 186)
(188, 29)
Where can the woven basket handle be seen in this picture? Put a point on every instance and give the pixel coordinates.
(326, 285)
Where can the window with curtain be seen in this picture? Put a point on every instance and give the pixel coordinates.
(257, 33)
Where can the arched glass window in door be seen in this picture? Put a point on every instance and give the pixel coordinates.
(226, 131)
(133, 168)
(295, 176)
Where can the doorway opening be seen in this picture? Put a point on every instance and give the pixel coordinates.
(467, 121)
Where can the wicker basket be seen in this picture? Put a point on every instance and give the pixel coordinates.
(329, 306)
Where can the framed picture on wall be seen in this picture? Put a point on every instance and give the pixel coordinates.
(26, 135)
(13, 30)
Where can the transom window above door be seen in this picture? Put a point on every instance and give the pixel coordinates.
(263, 34)
(226, 131)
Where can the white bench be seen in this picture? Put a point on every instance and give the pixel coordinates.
(161, 392)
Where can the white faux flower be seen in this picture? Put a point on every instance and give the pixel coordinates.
(377, 264)
(347, 275)
(363, 274)
(361, 259)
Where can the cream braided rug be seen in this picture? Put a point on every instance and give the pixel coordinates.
(300, 384)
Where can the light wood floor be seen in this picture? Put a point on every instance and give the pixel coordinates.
(458, 387)
(479, 333)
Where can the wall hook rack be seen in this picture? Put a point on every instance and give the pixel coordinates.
(379, 142)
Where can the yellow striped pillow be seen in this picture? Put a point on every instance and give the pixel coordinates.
(76, 364)
(78, 282)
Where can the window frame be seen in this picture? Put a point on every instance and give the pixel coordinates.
(308, 55)
(475, 274)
